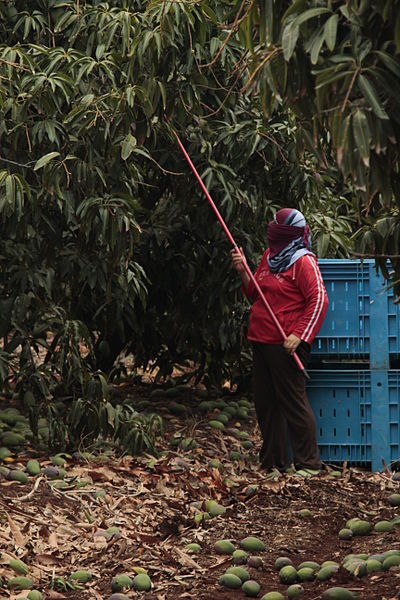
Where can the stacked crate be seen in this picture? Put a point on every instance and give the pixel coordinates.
(354, 385)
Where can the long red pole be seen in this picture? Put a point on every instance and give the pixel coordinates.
(234, 244)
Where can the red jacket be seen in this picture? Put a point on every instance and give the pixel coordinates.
(297, 297)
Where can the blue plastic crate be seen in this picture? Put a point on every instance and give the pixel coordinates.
(362, 319)
(393, 312)
(394, 414)
(341, 401)
(346, 328)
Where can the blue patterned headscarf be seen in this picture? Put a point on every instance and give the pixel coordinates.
(288, 239)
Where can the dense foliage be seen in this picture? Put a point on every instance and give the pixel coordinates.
(106, 241)
(336, 66)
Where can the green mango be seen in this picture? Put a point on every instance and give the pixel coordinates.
(255, 562)
(251, 588)
(216, 425)
(35, 595)
(391, 561)
(242, 573)
(282, 561)
(142, 583)
(273, 596)
(305, 574)
(81, 576)
(18, 566)
(394, 499)
(252, 544)
(11, 439)
(310, 564)
(384, 526)
(193, 548)
(338, 593)
(326, 572)
(121, 582)
(360, 527)
(33, 467)
(4, 453)
(294, 591)
(345, 534)
(288, 574)
(20, 583)
(239, 557)
(230, 581)
(17, 475)
(224, 547)
(373, 565)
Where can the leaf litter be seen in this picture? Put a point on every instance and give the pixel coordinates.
(151, 505)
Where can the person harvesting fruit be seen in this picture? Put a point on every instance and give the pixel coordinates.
(289, 276)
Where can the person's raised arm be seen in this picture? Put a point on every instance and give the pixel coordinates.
(238, 261)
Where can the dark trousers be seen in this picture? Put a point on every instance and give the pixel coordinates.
(282, 406)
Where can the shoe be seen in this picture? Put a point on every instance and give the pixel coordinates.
(305, 472)
(273, 475)
(290, 470)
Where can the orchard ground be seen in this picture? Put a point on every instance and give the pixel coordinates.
(156, 506)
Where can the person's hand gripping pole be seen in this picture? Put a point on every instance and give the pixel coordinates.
(237, 250)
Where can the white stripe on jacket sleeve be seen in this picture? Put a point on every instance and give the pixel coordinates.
(319, 305)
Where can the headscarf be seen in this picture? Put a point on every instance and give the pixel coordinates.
(288, 239)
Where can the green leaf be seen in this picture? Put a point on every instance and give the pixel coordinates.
(316, 47)
(309, 14)
(371, 96)
(397, 32)
(42, 162)
(389, 62)
(128, 146)
(290, 36)
(330, 29)
(362, 135)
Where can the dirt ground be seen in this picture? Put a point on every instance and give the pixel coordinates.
(153, 503)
